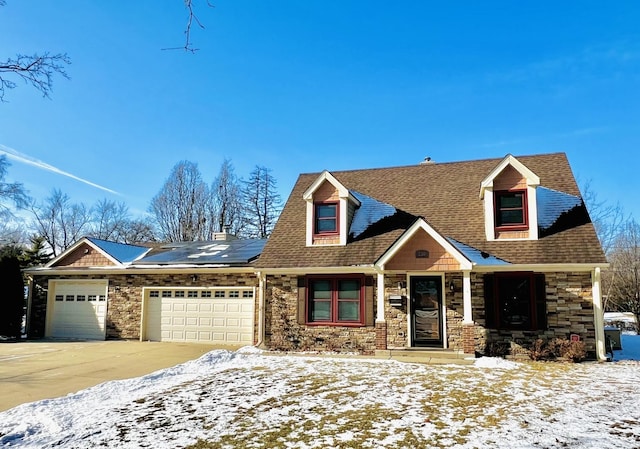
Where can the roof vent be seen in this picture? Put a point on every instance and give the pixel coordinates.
(427, 161)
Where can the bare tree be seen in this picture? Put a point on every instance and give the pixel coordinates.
(136, 231)
(10, 192)
(38, 70)
(624, 283)
(180, 208)
(227, 200)
(608, 219)
(262, 202)
(108, 219)
(60, 222)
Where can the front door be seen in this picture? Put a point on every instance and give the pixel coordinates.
(426, 310)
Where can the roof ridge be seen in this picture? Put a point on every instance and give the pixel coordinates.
(435, 164)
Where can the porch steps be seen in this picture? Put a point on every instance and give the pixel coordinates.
(426, 356)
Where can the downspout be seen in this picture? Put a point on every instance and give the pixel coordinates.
(598, 315)
(262, 285)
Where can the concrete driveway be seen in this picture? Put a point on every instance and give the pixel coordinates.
(31, 371)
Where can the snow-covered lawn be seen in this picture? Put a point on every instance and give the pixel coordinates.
(248, 399)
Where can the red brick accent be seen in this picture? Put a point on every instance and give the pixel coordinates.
(468, 338)
(381, 335)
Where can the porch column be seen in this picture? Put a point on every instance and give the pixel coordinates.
(468, 327)
(466, 298)
(598, 314)
(380, 299)
(381, 325)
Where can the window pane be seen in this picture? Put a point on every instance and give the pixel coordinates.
(515, 302)
(321, 290)
(326, 226)
(349, 310)
(326, 210)
(349, 289)
(320, 310)
(510, 200)
(511, 217)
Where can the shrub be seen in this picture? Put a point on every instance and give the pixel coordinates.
(573, 351)
(497, 349)
(540, 350)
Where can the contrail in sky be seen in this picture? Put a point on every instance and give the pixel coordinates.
(25, 159)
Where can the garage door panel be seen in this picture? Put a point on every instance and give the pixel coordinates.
(202, 318)
(206, 307)
(193, 307)
(77, 310)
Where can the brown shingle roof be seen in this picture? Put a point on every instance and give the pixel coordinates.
(447, 196)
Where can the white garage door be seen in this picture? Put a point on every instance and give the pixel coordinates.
(222, 315)
(77, 309)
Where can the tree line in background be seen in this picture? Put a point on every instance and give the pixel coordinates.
(185, 209)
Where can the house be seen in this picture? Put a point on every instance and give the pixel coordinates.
(450, 256)
(186, 292)
(456, 256)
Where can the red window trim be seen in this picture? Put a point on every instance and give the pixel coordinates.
(533, 324)
(525, 211)
(315, 218)
(334, 300)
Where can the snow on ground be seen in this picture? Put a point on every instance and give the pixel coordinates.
(249, 399)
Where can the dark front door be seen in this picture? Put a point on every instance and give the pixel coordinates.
(426, 310)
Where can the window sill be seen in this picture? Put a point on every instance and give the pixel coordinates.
(332, 324)
(512, 228)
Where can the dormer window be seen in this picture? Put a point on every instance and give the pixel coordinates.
(330, 208)
(511, 209)
(510, 201)
(326, 218)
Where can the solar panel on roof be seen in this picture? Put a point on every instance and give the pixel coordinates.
(227, 252)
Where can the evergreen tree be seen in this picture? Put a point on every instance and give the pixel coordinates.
(11, 296)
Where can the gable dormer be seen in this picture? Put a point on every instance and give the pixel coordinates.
(509, 194)
(330, 208)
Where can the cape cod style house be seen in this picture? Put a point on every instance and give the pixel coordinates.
(453, 256)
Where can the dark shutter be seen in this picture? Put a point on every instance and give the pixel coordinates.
(369, 305)
(541, 302)
(302, 300)
(489, 301)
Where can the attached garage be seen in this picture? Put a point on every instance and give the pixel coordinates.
(77, 309)
(219, 315)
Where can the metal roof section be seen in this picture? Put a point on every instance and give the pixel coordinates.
(122, 252)
(476, 256)
(216, 252)
(371, 211)
(552, 204)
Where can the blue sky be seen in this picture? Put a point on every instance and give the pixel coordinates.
(302, 86)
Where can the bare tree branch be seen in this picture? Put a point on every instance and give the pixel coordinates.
(192, 19)
(37, 70)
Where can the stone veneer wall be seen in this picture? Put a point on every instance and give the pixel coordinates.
(569, 311)
(124, 297)
(395, 317)
(284, 333)
(455, 311)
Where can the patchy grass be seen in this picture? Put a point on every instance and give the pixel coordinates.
(419, 407)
